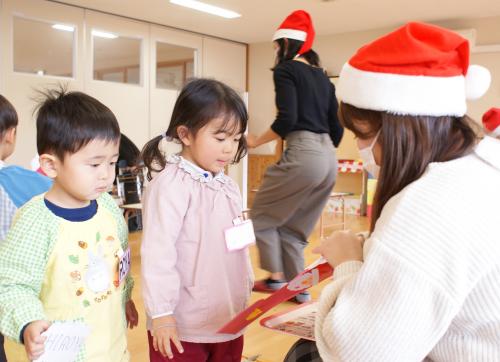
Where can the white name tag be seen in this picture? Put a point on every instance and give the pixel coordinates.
(124, 265)
(240, 236)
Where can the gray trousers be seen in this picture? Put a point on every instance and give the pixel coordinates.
(291, 199)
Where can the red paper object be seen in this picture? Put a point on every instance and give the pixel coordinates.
(312, 275)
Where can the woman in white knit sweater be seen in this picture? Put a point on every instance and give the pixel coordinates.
(425, 285)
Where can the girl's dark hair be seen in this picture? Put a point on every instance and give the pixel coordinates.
(289, 52)
(8, 116)
(409, 144)
(200, 101)
(67, 121)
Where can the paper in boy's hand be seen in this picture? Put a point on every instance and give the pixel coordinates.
(64, 341)
(312, 275)
(298, 321)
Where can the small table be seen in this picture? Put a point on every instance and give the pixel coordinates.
(334, 195)
(126, 207)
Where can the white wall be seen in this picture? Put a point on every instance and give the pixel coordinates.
(129, 102)
(223, 61)
(335, 50)
(143, 111)
(19, 88)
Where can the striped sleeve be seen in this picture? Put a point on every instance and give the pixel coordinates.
(387, 304)
(427, 272)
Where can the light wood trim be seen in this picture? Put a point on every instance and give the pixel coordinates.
(257, 166)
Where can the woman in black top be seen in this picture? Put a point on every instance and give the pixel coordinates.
(295, 190)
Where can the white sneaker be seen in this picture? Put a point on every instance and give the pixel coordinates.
(303, 297)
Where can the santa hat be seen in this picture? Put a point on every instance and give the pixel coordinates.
(419, 69)
(491, 121)
(298, 25)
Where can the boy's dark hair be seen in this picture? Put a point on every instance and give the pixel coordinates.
(67, 121)
(8, 116)
(200, 101)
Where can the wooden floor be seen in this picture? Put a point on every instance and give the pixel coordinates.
(268, 345)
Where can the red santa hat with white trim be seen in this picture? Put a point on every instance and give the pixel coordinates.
(491, 121)
(298, 25)
(418, 69)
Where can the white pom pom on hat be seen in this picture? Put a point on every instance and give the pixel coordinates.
(418, 69)
(477, 82)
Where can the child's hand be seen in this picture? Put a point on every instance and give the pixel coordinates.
(164, 330)
(34, 343)
(131, 314)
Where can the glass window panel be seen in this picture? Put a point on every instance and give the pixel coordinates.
(189, 70)
(112, 77)
(116, 58)
(43, 48)
(174, 65)
(133, 75)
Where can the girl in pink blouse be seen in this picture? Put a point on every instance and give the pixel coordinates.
(192, 283)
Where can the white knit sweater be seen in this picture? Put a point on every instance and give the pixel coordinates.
(429, 287)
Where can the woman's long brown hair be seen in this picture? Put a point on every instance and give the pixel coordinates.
(409, 144)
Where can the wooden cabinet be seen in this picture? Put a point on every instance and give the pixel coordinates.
(257, 166)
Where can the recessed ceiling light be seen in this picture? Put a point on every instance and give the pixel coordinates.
(103, 34)
(63, 27)
(211, 9)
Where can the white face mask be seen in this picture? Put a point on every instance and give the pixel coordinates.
(368, 158)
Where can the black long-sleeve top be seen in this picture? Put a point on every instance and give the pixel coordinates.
(306, 101)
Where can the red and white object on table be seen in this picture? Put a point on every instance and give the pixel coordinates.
(349, 166)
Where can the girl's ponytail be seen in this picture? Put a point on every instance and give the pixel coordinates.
(312, 58)
(153, 157)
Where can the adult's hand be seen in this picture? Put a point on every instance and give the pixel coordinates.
(255, 141)
(341, 246)
(251, 140)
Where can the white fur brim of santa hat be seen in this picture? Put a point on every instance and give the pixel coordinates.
(290, 34)
(412, 71)
(412, 95)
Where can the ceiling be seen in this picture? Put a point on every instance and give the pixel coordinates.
(261, 17)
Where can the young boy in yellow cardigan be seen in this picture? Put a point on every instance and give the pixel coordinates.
(60, 259)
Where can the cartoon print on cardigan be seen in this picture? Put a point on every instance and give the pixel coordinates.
(95, 282)
(98, 277)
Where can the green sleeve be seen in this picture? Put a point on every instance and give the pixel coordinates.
(23, 258)
(108, 202)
